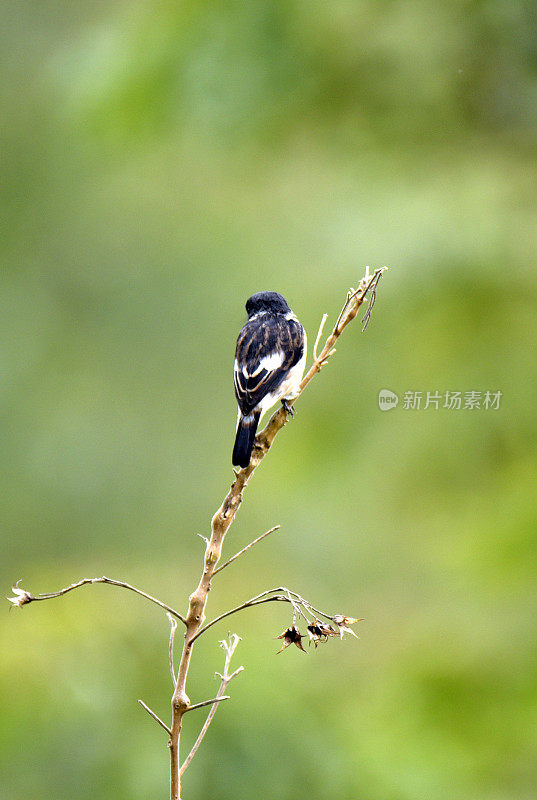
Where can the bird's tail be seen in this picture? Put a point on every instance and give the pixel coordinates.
(244, 440)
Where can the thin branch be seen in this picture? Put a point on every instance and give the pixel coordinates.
(208, 702)
(350, 294)
(374, 286)
(296, 608)
(316, 610)
(300, 599)
(307, 604)
(244, 549)
(155, 717)
(355, 298)
(247, 604)
(293, 598)
(319, 334)
(173, 628)
(226, 678)
(111, 582)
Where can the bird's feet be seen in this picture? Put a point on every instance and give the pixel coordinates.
(290, 410)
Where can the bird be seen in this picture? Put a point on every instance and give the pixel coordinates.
(269, 364)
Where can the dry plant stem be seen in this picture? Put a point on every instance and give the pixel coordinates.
(155, 716)
(225, 678)
(110, 582)
(248, 604)
(225, 516)
(173, 628)
(244, 549)
(216, 699)
(319, 334)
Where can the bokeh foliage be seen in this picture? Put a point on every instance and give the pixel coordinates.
(162, 161)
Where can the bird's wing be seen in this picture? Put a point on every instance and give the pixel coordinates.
(266, 350)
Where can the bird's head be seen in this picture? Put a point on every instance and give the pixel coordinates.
(272, 302)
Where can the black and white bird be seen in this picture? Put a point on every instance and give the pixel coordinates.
(269, 363)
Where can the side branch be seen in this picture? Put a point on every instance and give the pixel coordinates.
(301, 607)
(155, 716)
(244, 549)
(226, 678)
(248, 604)
(204, 703)
(355, 298)
(22, 597)
(299, 604)
(173, 628)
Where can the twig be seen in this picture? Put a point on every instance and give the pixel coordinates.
(374, 286)
(244, 549)
(350, 295)
(226, 678)
(155, 717)
(316, 610)
(300, 599)
(208, 702)
(248, 604)
(173, 628)
(355, 298)
(296, 608)
(305, 603)
(264, 598)
(319, 334)
(111, 582)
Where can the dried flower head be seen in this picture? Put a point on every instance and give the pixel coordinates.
(314, 634)
(320, 631)
(343, 622)
(21, 596)
(291, 636)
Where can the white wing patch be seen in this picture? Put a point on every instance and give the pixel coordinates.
(288, 388)
(269, 363)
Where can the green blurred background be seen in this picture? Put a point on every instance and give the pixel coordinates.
(161, 161)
